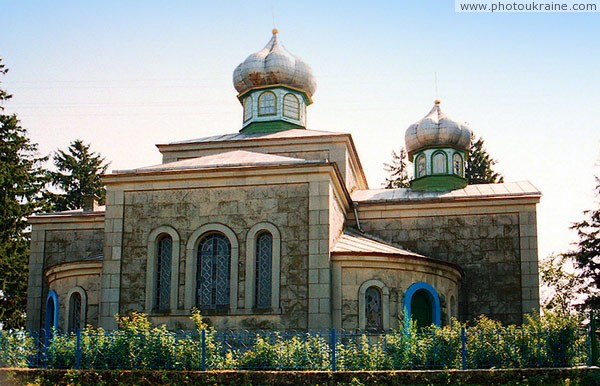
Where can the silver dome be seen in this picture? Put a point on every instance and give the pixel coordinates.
(274, 65)
(436, 129)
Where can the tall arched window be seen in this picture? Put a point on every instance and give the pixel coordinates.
(439, 163)
(457, 164)
(264, 259)
(247, 108)
(267, 103)
(212, 279)
(373, 309)
(291, 106)
(75, 310)
(421, 166)
(164, 255)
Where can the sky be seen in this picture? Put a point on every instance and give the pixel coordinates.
(126, 75)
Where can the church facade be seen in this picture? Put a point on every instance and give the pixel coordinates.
(275, 226)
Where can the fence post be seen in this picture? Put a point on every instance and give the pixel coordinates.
(593, 339)
(78, 349)
(333, 344)
(463, 338)
(203, 350)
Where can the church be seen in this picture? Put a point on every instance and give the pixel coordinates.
(275, 227)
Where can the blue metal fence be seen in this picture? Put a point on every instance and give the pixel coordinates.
(297, 350)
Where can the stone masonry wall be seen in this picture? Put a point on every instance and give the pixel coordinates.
(239, 208)
(63, 246)
(486, 247)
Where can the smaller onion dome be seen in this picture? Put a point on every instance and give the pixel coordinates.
(274, 65)
(437, 130)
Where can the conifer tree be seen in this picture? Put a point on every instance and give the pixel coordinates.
(398, 173)
(586, 256)
(22, 181)
(479, 165)
(78, 173)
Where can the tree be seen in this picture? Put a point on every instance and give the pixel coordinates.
(79, 173)
(586, 256)
(22, 182)
(561, 285)
(398, 174)
(479, 164)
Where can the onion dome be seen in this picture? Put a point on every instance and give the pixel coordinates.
(437, 130)
(274, 65)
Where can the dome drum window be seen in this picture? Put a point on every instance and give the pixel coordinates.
(267, 104)
(248, 108)
(291, 106)
(458, 164)
(421, 166)
(439, 163)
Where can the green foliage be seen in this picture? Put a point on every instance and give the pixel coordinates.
(561, 286)
(79, 173)
(479, 164)
(21, 182)
(397, 170)
(587, 253)
(16, 347)
(549, 341)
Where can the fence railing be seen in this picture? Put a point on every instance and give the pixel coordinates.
(458, 348)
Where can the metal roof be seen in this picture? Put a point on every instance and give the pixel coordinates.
(292, 133)
(352, 242)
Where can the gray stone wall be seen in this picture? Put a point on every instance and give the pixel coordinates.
(486, 247)
(64, 246)
(239, 208)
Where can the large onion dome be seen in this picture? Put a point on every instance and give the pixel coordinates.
(436, 130)
(274, 65)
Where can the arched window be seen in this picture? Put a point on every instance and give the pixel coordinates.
(247, 108)
(421, 166)
(439, 163)
(291, 106)
(267, 103)
(373, 309)
(457, 164)
(264, 259)
(75, 310)
(164, 255)
(212, 278)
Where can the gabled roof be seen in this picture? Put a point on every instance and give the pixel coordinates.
(507, 190)
(292, 133)
(353, 242)
(227, 159)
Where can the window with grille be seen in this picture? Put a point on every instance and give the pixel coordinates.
(373, 309)
(267, 104)
(264, 266)
(212, 281)
(291, 106)
(457, 163)
(75, 308)
(421, 167)
(163, 272)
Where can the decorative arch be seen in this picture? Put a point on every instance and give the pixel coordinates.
(362, 303)
(267, 104)
(191, 268)
(151, 266)
(435, 300)
(51, 320)
(291, 106)
(439, 162)
(250, 288)
(75, 319)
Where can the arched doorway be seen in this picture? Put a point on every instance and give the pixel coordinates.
(422, 305)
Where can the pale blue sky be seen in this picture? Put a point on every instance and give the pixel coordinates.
(125, 75)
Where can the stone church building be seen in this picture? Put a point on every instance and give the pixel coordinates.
(275, 226)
